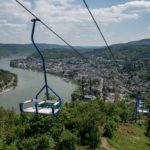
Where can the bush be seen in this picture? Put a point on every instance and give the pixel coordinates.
(67, 141)
(36, 143)
(109, 128)
(94, 137)
(148, 126)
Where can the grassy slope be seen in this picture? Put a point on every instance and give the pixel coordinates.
(127, 137)
(130, 137)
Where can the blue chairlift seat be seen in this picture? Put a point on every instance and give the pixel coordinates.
(140, 107)
(48, 107)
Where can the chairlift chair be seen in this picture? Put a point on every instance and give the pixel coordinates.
(36, 105)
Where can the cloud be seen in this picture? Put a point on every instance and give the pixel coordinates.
(6, 24)
(66, 17)
(56, 11)
(121, 12)
(10, 10)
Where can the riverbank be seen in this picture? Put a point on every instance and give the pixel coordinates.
(5, 91)
(76, 93)
(8, 81)
(49, 72)
(29, 83)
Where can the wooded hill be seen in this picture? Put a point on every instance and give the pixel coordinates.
(27, 49)
(135, 50)
(131, 50)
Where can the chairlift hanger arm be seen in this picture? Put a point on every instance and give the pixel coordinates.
(42, 57)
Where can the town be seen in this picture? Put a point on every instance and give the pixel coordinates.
(97, 76)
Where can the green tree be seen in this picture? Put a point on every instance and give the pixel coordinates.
(1, 144)
(94, 137)
(67, 141)
(109, 128)
(148, 126)
(77, 94)
(44, 142)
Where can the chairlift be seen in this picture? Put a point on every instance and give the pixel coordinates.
(36, 105)
(140, 106)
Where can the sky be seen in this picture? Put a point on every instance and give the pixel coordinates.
(120, 21)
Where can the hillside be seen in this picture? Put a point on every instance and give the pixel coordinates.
(7, 80)
(78, 126)
(140, 42)
(135, 50)
(55, 53)
(15, 49)
(27, 49)
(131, 50)
(130, 137)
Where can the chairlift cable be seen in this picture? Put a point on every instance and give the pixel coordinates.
(101, 33)
(67, 43)
(108, 47)
(103, 37)
(50, 29)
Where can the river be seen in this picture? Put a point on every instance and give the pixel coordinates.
(29, 83)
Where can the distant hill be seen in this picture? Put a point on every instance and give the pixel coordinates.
(7, 50)
(54, 53)
(140, 42)
(27, 49)
(133, 50)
